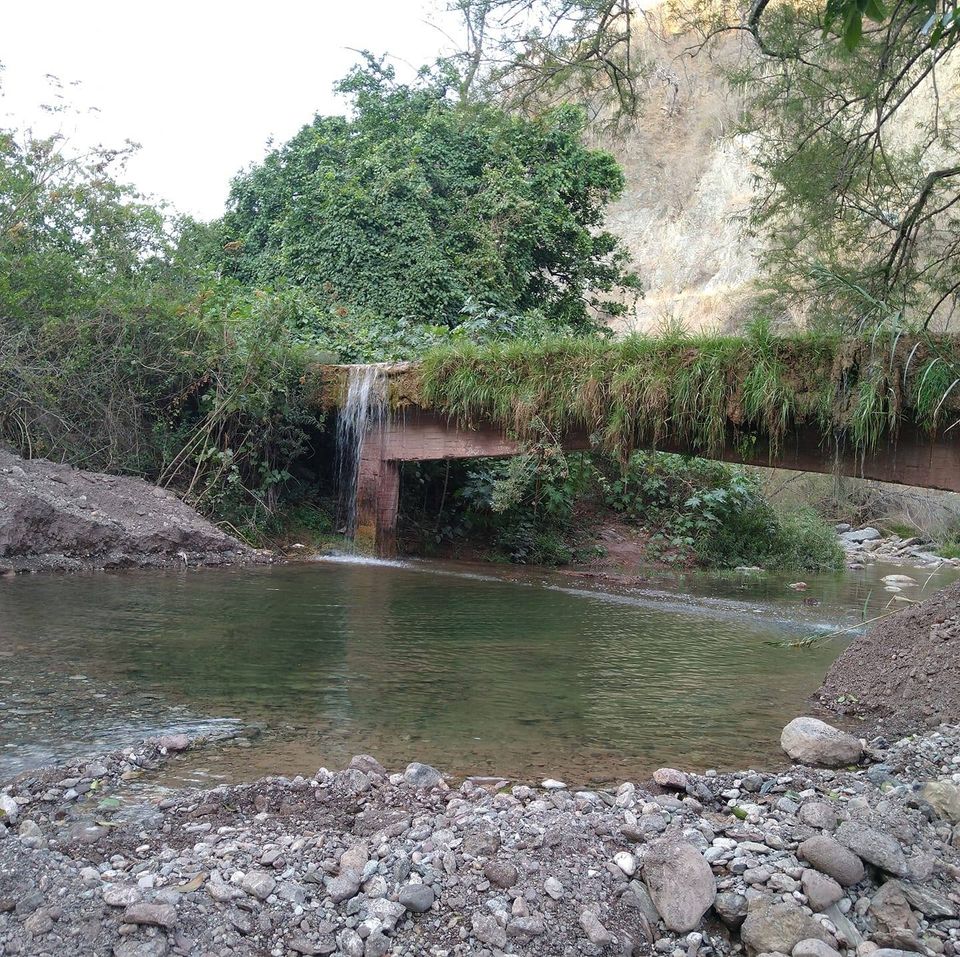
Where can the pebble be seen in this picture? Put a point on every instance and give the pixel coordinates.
(363, 862)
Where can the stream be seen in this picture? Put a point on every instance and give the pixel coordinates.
(520, 672)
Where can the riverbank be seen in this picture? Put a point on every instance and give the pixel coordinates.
(54, 517)
(363, 862)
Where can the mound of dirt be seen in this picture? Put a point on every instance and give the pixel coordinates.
(55, 517)
(905, 673)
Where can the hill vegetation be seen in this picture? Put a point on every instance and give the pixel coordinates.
(465, 218)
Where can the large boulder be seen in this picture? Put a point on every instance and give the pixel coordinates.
(873, 846)
(812, 741)
(894, 924)
(944, 798)
(680, 882)
(771, 927)
(830, 857)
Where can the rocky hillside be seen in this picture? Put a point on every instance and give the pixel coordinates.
(690, 179)
(55, 517)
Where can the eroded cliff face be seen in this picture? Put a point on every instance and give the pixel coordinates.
(691, 179)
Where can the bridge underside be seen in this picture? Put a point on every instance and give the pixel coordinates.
(418, 436)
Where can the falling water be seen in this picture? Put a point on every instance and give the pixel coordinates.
(364, 409)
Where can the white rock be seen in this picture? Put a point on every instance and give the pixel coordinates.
(626, 862)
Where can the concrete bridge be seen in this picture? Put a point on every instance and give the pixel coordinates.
(413, 434)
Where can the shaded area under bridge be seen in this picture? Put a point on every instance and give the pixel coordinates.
(412, 433)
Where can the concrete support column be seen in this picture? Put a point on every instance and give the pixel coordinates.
(378, 497)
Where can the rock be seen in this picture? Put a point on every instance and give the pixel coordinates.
(893, 922)
(302, 945)
(354, 859)
(779, 927)
(153, 915)
(483, 842)
(928, 901)
(944, 798)
(121, 895)
(343, 887)
(818, 814)
(812, 741)
(350, 943)
(626, 862)
(422, 776)
(487, 930)
(821, 891)
(552, 784)
(640, 897)
(222, 893)
(680, 882)
(525, 928)
(866, 534)
(367, 764)
(814, 948)
(258, 884)
(376, 945)
(671, 778)
(501, 874)
(597, 934)
(874, 847)
(731, 908)
(830, 857)
(388, 912)
(553, 887)
(39, 923)
(9, 809)
(845, 928)
(174, 742)
(416, 898)
(155, 947)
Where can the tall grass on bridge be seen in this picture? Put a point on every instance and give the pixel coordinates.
(696, 390)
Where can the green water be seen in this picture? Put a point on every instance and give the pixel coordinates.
(518, 673)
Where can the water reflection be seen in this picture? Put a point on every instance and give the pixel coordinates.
(524, 674)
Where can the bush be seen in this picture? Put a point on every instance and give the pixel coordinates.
(718, 512)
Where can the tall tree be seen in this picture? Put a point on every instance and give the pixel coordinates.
(420, 206)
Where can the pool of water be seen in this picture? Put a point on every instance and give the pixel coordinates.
(522, 673)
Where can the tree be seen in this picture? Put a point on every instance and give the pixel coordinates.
(855, 131)
(860, 197)
(421, 206)
(533, 54)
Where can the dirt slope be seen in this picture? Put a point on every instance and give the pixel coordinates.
(905, 673)
(55, 517)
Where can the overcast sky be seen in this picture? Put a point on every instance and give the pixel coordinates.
(201, 85)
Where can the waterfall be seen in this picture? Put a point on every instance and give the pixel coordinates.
(363, 410)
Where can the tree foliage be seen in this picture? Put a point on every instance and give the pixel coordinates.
(420, 206)
(533, 54)
(120, 352)
(860, 197)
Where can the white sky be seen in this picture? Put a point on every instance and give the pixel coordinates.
(201, 85)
